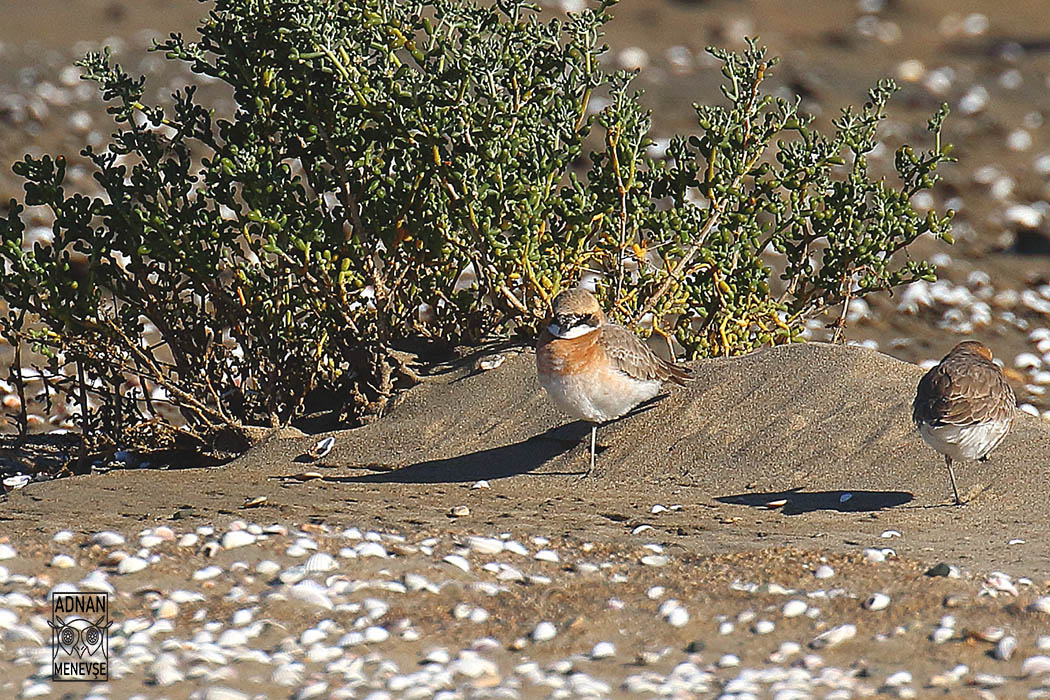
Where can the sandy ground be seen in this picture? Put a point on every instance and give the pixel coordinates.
(824, 428)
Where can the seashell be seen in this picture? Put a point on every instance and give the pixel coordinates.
(485, 545)
(457, 561)
(548, 555)
(319, 563)
(13, 483)
(371, 549)
(834, 636)
(107, 538)
(1005, 648)
(62, 561)
(678, 617)
(1035, 666)
(544, 631)
(254, 502)
(167, 610)
(208, 572)
(763, 627)
(288, 675)
(490, 362)
(322, 448)
(942, 635)
(459, 512)
(311, 592)
(877, 601)
(131, 565)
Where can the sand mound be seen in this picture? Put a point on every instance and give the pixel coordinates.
(826, 428)
(811, 417)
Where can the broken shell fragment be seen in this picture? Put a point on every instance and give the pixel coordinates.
(488, 362)
(322, 448)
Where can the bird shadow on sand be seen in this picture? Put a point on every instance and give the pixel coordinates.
(495, 463)
(799, 502)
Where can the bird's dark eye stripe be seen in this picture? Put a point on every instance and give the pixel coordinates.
(573, 320)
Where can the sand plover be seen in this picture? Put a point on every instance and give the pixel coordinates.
(594, 370)
(964, 407)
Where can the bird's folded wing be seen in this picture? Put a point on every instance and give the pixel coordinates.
(634, 358)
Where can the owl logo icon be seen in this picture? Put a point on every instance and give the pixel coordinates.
(80, 636)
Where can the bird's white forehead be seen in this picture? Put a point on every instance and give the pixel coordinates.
(571, 332)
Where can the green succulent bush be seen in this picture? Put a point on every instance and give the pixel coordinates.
(427, 169)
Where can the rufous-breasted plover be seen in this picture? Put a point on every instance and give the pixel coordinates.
(595, 370)
(964, 406)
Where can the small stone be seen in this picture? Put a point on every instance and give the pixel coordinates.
(544, 631)
(62, 536)
(824, 572)
(877, 601)
(459, 512)
(794, 608)
(482, 484)
(548, 555)
(603, 650)
(941, 569)
(7, 551)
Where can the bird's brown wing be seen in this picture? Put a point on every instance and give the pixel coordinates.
(633, 357)
(963, 393)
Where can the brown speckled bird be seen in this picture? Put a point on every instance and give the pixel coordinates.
(595, 370)
(964, 407)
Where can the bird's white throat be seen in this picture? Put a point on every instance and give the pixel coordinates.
(572, 332)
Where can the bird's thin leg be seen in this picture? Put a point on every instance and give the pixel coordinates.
(951, 475)
(594, 439)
